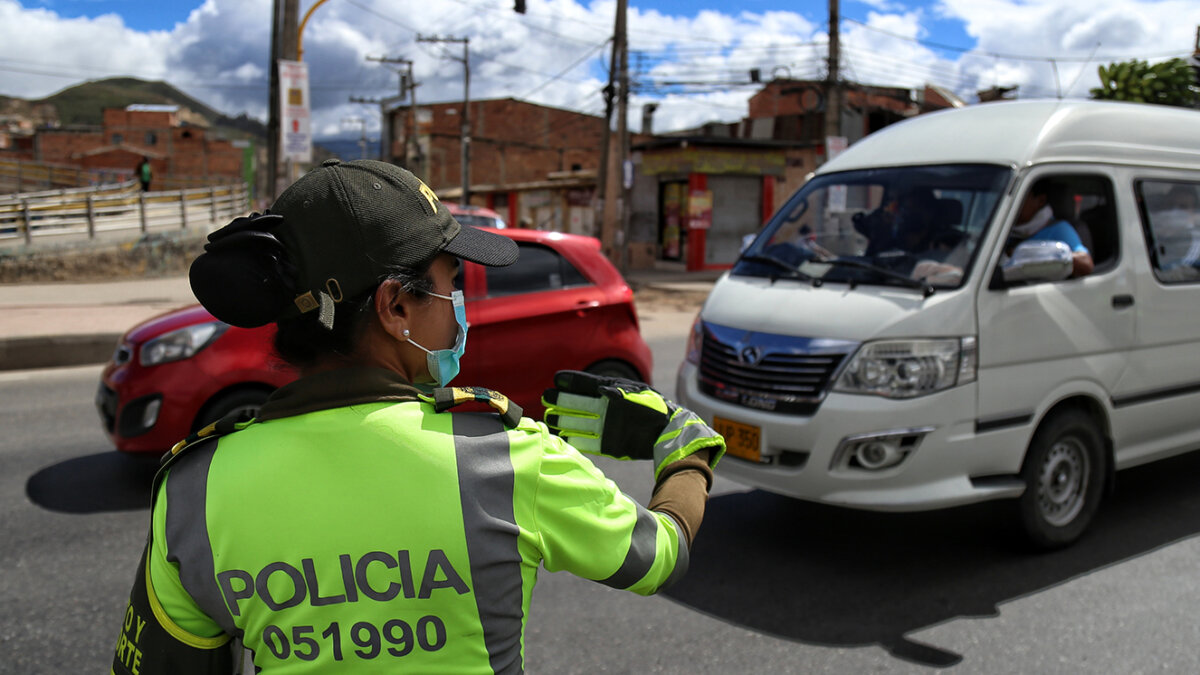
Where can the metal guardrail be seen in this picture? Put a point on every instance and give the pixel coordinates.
(18, 175)
(93, 212)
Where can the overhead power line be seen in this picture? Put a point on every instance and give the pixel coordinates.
(587, 55)
(385, 17)
(887, 64)
(506, 14)
(721, 50)
(1010, 57)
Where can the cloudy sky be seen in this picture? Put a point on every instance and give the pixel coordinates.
(692, 57)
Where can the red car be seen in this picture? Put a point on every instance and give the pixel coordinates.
(562, 305)
(478, 216)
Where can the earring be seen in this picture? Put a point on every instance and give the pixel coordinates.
(406, 331)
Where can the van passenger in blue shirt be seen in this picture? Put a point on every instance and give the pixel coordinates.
(1040, 219)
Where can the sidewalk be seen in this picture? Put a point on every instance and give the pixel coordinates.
(66, 324)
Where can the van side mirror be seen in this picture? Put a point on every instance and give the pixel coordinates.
(1037, 260)
(746, 241)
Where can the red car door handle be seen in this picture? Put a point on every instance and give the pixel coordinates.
(582, 307)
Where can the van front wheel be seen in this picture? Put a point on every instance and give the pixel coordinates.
(1064, 480)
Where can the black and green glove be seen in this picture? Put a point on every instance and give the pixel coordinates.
(625, 419)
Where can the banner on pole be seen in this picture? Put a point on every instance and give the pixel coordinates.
(295, 127)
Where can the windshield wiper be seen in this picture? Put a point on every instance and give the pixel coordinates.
(926, 287)
(793, 272)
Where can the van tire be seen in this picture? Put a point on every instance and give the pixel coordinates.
(1064, 475)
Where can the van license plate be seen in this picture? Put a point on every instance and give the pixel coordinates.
(741, 440)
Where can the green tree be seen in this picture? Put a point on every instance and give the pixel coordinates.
(1167, 83)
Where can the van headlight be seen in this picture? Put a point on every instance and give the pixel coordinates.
(180, 344)
(695, 342)
(909, 368)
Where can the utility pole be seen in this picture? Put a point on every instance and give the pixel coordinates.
(284, 37)
(465, 133)
(833, 94)
(625, 171)
(601, 201)
(362, 139)
(382, 125)
(611, 200)
(408, 92)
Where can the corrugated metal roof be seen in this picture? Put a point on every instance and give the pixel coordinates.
(151, 107)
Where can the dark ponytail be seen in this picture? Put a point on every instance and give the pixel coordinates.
(302, 341)
(245, 278)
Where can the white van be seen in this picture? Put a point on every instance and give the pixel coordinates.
(900, 336)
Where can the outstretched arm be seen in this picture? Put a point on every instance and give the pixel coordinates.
(1081, 264)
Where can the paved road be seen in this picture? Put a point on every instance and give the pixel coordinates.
(776, 586)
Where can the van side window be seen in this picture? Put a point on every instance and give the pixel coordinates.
(1096, 220)
(1171, 223)
(1086, 203)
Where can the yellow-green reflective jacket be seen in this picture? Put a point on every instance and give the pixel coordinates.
(386, 537)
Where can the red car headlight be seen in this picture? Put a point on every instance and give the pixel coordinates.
(181, 344)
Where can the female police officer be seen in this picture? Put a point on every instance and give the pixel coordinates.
(356, 525)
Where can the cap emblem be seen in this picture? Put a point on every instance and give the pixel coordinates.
(428, 194)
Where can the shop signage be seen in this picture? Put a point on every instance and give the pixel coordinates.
(751, 161)
(700, 209)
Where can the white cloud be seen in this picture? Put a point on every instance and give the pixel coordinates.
(1044, 29)
(884, 5)
(42, 53)
(219, 54)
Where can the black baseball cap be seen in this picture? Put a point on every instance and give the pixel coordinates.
(344, 226)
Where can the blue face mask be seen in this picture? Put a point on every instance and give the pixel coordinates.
(443, 363)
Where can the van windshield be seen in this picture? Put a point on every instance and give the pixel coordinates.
(917, 227)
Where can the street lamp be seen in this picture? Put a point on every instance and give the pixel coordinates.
(300, 32)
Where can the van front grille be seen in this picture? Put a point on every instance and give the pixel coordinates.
(774, 373)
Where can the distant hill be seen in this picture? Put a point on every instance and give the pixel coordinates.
(84, 104)
(347, 149)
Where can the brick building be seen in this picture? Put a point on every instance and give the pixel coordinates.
(178, 146)
(698, 192)
(13, 127)
(533, 163)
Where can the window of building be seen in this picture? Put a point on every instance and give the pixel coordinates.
(117, 138)
(538, 268)
(151, 138)
(1171, 223)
